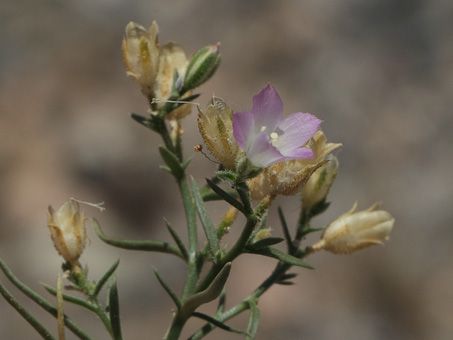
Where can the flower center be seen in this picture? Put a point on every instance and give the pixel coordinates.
(274, 139)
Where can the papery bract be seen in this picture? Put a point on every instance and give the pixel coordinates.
(67, 229)
(216, 128)
(141, 55)
(171, 58)
(319, 183)
(356, 230)
(266, 138)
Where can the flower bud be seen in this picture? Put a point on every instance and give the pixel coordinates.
(171, 58)
(354, 231)
(141, 55)
(216, 128)
(263, 234)
(319, 183)
(201, 67)
(67, 230)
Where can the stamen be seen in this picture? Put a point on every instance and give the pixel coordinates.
(199, 148)
(274, 139)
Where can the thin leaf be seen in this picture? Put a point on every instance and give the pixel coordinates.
(209, 294)
(186, 163)
(266, 242)
(286, 232)
(60, 315)
(288, 276)
(114, 310)
(222, 301)
(281, 256)
(144, 121)
(146, 245)
(70, 298)
(254, 321)
(285, 283)
(178, 240)
(209, 195)
(218, 323)
(105, 277)
(45, 304)
(172, 161)
(168, 289)
(208, 226)
(228, 198)
(45, 334)
(165, 168)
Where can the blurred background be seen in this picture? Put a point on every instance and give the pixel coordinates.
(379, 73)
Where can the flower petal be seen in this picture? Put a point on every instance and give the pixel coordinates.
(267, 109)
(299, 153)
(262, 153)
(297, 129)
(243, 123)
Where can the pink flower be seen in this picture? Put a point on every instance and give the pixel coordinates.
(266, 138)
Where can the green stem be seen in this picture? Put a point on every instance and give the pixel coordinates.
(176, 327)
(163, 130)
(189, 208)
(238, 247)
(244, 305)
(234, 252)
(303, 225)
(280, 269)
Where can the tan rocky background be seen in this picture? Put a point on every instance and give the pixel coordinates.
(380, 75)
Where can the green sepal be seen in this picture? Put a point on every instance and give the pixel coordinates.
(105, 277)
(209, 294)
(114, 309)
(266, 242)
(208, 226)
(281, 256)
(227, 176)
(319, 208)
(168, 289)
(178, 240)
(226, 197)
(172, 161)
(201, 67)
(254, 321)
(312, 230)
(218, 323)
